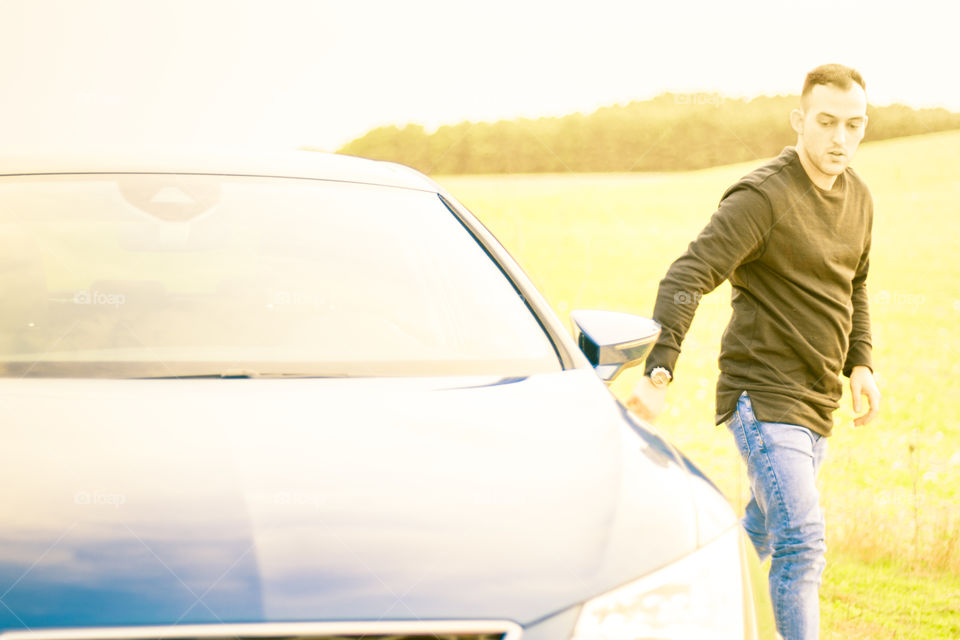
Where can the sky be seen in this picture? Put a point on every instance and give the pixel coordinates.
(283, 74)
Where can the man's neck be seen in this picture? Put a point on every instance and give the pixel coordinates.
(817, 177)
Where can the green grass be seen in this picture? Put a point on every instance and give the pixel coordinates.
(879, 601)
(890, 489)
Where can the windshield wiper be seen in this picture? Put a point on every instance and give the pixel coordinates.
(244, 373)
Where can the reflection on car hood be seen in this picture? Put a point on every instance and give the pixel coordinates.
(161, 501)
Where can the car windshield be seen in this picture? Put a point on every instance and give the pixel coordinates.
(163, 275)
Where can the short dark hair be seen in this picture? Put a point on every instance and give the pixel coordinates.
(835, 74)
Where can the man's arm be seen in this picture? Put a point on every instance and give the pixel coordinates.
(860, 350)
(736, 233)
(858, 365)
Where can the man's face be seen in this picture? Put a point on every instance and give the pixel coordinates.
(830, 126)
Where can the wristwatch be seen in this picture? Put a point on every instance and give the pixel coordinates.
(660, 377)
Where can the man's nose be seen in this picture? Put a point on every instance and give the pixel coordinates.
(839, 135)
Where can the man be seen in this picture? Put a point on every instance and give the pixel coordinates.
(793, 237)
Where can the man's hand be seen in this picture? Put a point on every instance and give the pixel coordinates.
(863, 384)
(647, 400)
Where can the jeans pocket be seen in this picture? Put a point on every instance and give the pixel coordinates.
(749, 423)
(735, 426)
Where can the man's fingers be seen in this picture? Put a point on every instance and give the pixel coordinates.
(865, 418)
(873, 399)
(856, 392)
(636, 406)
(641, 411)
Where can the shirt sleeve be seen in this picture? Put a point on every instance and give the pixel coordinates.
(735, 234)
(860, 351)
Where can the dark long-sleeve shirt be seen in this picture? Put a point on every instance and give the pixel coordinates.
(797, 258)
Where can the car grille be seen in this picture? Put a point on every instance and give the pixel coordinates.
(378, 630)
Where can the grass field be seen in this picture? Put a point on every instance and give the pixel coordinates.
(890, 489)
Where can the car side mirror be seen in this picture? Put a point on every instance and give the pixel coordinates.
(613, 341)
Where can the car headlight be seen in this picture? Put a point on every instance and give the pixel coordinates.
(707, 594)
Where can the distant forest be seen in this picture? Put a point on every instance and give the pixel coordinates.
(672, 132)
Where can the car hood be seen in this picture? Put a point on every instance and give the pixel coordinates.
(244, 500)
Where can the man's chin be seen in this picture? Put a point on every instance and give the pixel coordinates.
(834, 166)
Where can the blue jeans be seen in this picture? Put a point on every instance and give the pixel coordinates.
(783, 517)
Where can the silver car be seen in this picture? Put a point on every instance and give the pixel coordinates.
(311, 396)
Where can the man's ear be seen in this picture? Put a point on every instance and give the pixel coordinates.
(796, 120)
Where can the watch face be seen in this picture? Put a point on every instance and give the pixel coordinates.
(659, 377)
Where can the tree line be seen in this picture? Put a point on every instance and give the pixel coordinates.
(672, 132)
